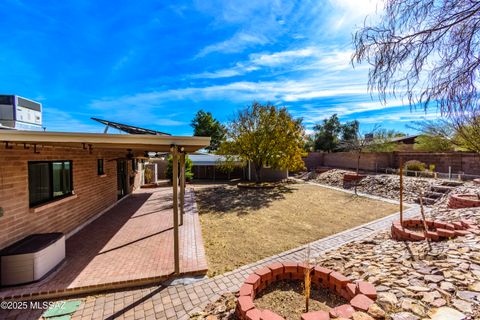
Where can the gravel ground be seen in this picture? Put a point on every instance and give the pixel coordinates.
(384, 185)
(414, 280)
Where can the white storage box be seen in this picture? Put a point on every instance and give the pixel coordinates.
(31, 258)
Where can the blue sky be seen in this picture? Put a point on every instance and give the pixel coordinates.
(155, 63)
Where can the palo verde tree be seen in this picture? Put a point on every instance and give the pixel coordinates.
(205, 125)
(426, 51)
(264, 135)
(460, 131)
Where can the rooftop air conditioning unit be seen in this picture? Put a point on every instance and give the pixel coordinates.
(20, 113)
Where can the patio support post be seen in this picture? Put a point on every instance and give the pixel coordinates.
(176, 250)
(182, 186)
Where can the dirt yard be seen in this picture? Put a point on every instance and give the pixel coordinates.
(241, 226)
(286, 298)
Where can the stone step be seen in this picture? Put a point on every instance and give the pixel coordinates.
(426, 201)
(434, 195)
(441, 188)
(452, 183)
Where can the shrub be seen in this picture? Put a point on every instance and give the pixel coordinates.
(188, 168)
(148, 175)
(415, 165)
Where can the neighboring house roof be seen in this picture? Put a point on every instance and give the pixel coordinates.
(128, 128)
(406, 139)
(206, 159)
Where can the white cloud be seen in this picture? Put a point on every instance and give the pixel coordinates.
(282, 57)
(237, 43)
(304, 59)
(55, 119)
(348, 13)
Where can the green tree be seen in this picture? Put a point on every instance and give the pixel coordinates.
(461, 131)
(265, 135)
(349, 130)
(188, 168)
(382, 140)
(326, 134)
(205, 125)
(429, 143)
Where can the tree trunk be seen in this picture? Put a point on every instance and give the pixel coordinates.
(258, 169)
(358, 162)
(358, 169)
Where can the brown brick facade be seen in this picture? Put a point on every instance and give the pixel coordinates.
(93, 193)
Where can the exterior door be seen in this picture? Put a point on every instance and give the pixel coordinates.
(121, 178)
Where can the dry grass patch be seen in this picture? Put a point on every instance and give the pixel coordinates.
(241, 226)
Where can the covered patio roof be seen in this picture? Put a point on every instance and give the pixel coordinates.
(135, 142)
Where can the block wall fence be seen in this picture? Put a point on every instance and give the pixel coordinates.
(93, 193)
(468, 163)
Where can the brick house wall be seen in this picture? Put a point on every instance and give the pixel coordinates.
(93, 193)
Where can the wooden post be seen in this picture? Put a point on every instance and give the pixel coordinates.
(401, 192)
(182, 186)
(175, 208)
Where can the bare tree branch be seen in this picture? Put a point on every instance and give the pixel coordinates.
(426, 51)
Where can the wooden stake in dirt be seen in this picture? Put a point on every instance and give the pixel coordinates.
(425, 227)
(308, 280)
(401, 192)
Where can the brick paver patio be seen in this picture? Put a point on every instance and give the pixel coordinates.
(131, 244)
(178, 299)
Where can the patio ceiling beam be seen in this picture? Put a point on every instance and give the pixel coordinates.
(154, 143)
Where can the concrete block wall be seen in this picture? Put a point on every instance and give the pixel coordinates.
(348, 160)
(468, 163)
(93, 193)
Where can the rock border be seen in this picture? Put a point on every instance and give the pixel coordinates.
(476, 181)
(457, 201)
(440, 230)
(360, 294)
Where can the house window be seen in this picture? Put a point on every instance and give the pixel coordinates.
(100, 167)
(49, 180)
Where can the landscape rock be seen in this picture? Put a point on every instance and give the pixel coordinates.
(376, 312)
(404, 316)
(446, 313)
(361, 316)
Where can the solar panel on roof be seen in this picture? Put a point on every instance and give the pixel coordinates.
(130, 129)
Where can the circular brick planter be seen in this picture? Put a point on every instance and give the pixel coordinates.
(361, 295)
(437, 230)
(457, 201)
(347, 177)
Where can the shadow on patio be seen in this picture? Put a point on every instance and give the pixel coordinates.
(130, 245)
